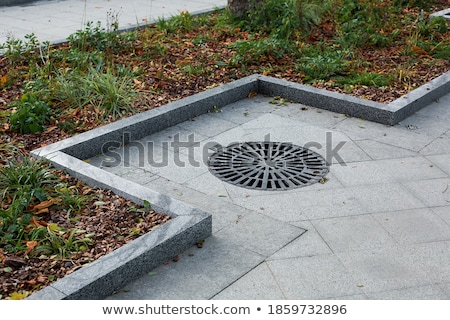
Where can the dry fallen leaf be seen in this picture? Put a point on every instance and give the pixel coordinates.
(43, 205)
(30, 246)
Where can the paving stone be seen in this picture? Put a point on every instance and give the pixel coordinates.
(439, 145)
(398, 136)
(386, 171)
(352, 233)
(217, 264)
(207, 125)
(140, 176)
(258, 284)
(443, 212)
(433, 258)
(300, 278)
(311, 243)
(432, 192)
(245, 110)
(385, 197)
(308, 205)
(311, 115)
(414, 226)
(441, 161)
(260, 233)
(378, 150)
(424, 125)
(384, 269)
(438, 110)
(445, 287)
(430, 292)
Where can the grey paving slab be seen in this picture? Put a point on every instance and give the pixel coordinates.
(441, 161)
(260, 233)
(430, 292)
(353, 233)
(445, 287)
(443, 212)
(432, 192)
(308, 205)
(258, 284)
(399, 136)
(432, 257)
(439, 110)
(199, 273)
(414, 226)
(439, 145)
(224, 212)
(308, 114)
(385, 197)
(317, 277)
(244, 110)
(389, 170)
(384, 269)
(379, 150)
(311, 243)
(207, 125)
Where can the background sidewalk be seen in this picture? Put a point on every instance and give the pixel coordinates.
(55, 20)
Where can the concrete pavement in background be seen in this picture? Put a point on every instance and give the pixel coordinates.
(55, 20)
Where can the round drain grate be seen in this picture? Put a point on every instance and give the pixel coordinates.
(268, 165)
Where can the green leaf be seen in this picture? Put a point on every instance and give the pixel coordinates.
(147, 205)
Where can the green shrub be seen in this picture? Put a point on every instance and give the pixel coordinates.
(282, 18)
(31, 114)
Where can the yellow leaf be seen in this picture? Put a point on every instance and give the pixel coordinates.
(18, 295)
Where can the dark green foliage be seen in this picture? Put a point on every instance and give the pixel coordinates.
(31, 114)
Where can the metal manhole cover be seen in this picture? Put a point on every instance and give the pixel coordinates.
(268, 165)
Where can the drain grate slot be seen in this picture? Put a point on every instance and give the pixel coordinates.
(267, 165)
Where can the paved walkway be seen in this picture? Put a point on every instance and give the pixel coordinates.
(379, 228)
(54, 20)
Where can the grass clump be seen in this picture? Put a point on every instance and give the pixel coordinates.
(28, 192)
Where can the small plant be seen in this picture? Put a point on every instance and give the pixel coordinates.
(96, 38)
(71, 88)
(370, 79)
(31, 114)
(112, 94)
(23, 181)
(323, 64)
(53, 239)
(184, 21)
(18, 51)
(256, 50)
